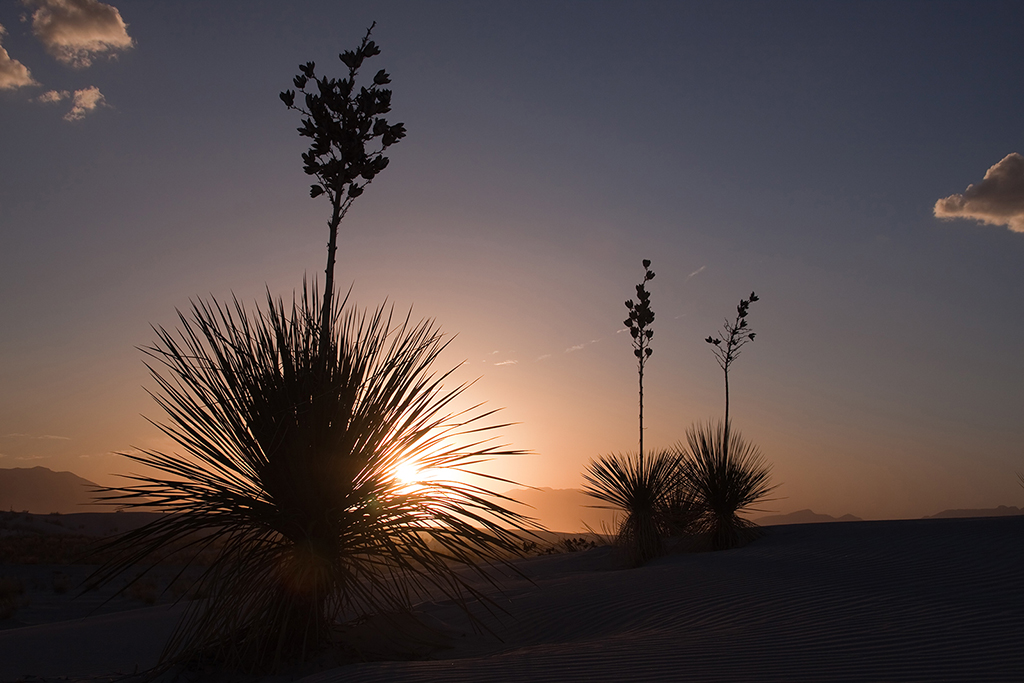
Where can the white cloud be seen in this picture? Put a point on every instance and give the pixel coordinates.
(83, 101)
(76, 31)
(577, 347)
(997, 200)
(544, 357)
(508, 362)
(696, 272)
(13, 74)
(53, 96)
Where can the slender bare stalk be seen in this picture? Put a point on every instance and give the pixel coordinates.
(736, 335)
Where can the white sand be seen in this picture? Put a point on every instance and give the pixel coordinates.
(922, 600)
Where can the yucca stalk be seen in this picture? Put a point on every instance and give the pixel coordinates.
(288, 467)
(638, 488)
(350, 135)
(735, 335)
(723, 482)
(638, 323)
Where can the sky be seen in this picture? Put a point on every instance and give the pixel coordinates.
(856, 164)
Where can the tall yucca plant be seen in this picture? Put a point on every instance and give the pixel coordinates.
(723, 481)
(633, 484)
(640, 489)
(288, 467)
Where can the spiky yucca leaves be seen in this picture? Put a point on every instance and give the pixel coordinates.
(723, 482)
(289, 468)
(638, 487)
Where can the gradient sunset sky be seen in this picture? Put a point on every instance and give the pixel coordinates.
(799, 150)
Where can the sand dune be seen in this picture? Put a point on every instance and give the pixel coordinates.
(920, 600)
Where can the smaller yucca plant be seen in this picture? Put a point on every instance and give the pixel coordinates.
(722, 482)
(639, 488)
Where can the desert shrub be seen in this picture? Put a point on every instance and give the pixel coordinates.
(574, 544)
(721, 483)
(289, 463)
(638, 488)
(144, 590)
(12, 596)
(46, 549)
(60, 582)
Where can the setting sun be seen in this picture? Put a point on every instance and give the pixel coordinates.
(408, 472)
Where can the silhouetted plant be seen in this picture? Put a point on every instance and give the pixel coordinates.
(292, 424)
(349, 136)
(639, 321)
(289, 465)
(723, 481)
(638, 488)
(681, 507)
(631, 484)
(736, 334)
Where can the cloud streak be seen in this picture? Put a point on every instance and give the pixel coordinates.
(13, 74)
(75, 32)
(43, 437)
(997, 200)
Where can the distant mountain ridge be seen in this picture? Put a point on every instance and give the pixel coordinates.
(803, 517)
(1001, 511)
(42, 491)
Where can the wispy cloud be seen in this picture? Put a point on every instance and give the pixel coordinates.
(45, 437)
(573, 349)
(544, 357)
(696, 272)
(77, 31)
(13, 74)
(83, 101)
(997, 200)
(508, 362)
